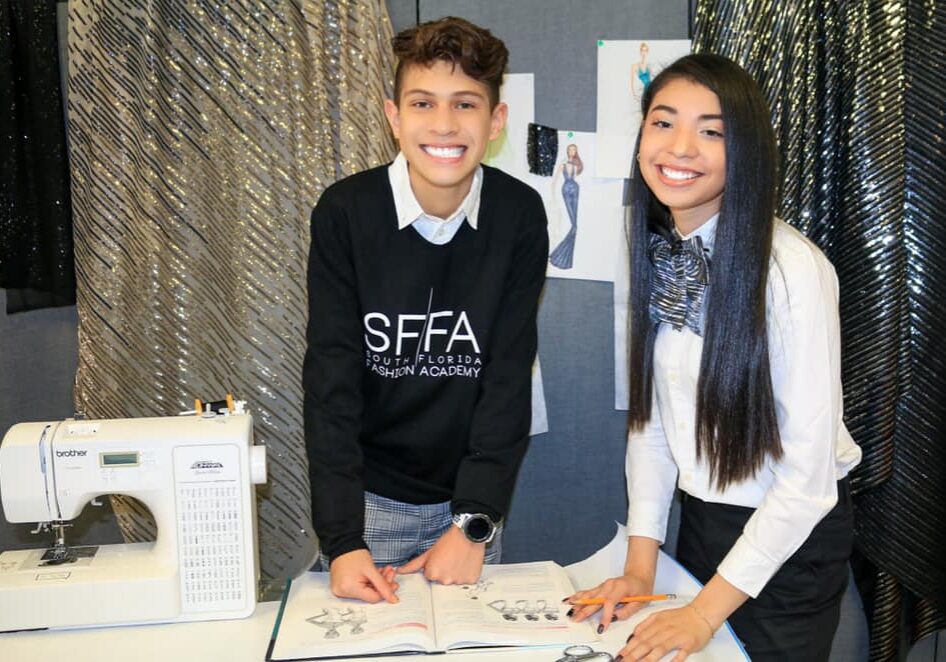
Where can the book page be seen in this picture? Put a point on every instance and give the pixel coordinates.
(511, 605)
(316, 624)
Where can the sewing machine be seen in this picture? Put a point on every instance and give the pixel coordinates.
(196, 475)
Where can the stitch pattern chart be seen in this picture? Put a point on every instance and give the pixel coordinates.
(527, 610)
(473, 591)
(334, 620)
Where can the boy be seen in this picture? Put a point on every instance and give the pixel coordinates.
(424, 279)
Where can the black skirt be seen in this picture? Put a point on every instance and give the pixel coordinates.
(796, 614)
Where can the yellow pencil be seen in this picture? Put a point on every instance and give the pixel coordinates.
(625, 599)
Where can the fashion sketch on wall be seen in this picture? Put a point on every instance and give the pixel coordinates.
(640, 73)
(561, 256)
(584, 211)
(625, 69)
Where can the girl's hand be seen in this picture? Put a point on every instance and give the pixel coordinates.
(612, 590)
(684, 630)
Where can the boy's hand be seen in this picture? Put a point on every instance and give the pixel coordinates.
(353, 575)
(453, 559)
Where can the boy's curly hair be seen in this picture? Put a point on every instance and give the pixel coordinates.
(480, 55)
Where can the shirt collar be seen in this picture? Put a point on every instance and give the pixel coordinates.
(706, 233)
(409, 210)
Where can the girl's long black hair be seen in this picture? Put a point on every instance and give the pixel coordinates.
(736, 424)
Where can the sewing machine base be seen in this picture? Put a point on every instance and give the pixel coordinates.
(107, 585)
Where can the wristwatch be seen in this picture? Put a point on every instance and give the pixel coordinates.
(477, 526)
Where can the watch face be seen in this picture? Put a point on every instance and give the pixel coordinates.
(478, 529)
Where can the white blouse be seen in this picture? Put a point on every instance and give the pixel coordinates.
(790, 495)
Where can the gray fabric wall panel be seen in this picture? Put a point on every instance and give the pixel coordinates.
(557, 42)
(403, 13)
(38, 355)
(571, 488)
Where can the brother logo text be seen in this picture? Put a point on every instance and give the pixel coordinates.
(71, 453)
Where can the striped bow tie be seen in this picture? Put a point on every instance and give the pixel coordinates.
(681, 274)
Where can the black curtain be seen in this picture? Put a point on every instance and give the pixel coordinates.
(857, 90)
(36, 257)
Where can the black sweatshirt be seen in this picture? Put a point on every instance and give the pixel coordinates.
(417, 374)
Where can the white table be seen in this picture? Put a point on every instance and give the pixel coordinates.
(247, 639)
(671, 578)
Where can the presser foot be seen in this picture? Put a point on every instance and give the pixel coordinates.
(60, 553)
(57, 555)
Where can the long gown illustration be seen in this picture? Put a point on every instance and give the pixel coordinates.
(563, 254)
(640, 73)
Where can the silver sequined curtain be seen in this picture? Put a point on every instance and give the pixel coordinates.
(201, 135)
(857, 90)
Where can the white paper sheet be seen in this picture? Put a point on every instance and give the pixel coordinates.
(622, 287)
(624, 68)
(509, 153)
(540, 417)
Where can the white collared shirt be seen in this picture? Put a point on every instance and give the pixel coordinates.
(409, 212)
(790, 495)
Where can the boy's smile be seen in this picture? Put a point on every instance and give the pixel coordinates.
(444, 152)
(443, 123)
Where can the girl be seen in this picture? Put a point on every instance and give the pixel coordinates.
(735, 384)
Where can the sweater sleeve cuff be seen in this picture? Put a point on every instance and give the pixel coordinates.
(648, 519)
(747, 568)
(342, 545)
(466, 506)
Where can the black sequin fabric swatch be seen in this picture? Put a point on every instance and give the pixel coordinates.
(542, 149)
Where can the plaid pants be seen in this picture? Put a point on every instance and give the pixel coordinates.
(397, 532)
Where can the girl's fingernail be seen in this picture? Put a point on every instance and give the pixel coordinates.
(570, 612)
(628, 640)
(601, 628)
(564, 600)
(619, 658)
(614, 618)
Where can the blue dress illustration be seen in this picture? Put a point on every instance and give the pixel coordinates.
(641, 73)
(564, 253)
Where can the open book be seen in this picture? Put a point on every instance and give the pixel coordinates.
(511, 605)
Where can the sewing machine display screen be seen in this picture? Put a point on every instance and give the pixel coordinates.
(129, 459)
(210, 527)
